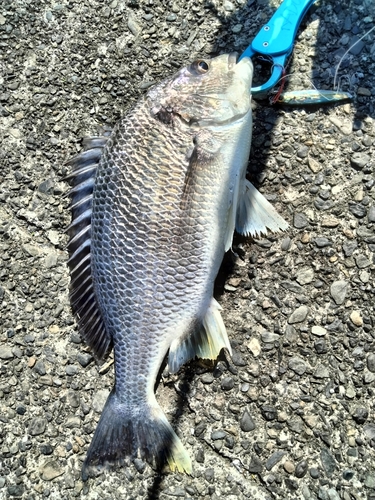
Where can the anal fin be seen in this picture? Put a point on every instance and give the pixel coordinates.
(205, 342)
(256, 215)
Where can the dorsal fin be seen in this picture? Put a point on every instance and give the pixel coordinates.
(82, 296)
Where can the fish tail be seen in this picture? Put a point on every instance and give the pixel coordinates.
(143, 432)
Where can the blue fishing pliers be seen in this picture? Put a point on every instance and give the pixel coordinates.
(276, 39)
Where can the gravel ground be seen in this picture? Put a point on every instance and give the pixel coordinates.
(292, 415)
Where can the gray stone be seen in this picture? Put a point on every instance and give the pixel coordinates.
(247, 424)
(369, 430)
(322, 242)
(274, 459)
(269, 337)
(255, 465)
(371, 362)
(360, 415)
(301, 469)
(305, 276)
(297, 365)
(370, 480)
(16, 490)
(328, 462)
(296, 425)
(362, 261)
(319, 331)
(300, 220)
(99, 400)
(73, 399)
(215, 435)
(368, 377)
(6, 352)
(227, 383)
(299, 315)
(37, 426)
(286, 244)
(371, 214)
(314, 473)
(84, 359)
(349, 247)
(321, 371)
(47, 186)
(332, 494)
(269, 412)
(238, 359)
(71, 370)
(69, 480)
(39, 367)
(291, 286)
(338, 291)
(359, 160)
(50, 470)
(358, 210)
(207, 378)
(303, 151)
(73, 422)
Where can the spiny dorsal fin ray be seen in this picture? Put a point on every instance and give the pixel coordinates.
(82, 296)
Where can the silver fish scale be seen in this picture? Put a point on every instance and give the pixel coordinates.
(153, 262)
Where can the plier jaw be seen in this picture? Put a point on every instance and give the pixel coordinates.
(276, 39)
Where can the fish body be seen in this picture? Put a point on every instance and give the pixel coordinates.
(149, 233)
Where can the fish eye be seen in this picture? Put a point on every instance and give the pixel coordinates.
(199, 67)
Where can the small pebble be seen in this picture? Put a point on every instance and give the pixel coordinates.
(371, 362)
(227, 383)
(328, 462)
(254, 346)
(338, 291)
(356, 318)
(300, 221)
(274, 459)
(359, 160)
(50, 470)
(301, 469)
(289, 467)
(314, 473)
(319, 331)
(299, 315)
(297, 365)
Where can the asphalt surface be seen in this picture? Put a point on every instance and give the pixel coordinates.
(291, 416)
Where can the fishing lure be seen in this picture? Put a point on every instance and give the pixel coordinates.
(312, 96)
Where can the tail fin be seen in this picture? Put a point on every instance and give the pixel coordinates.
(144, 432)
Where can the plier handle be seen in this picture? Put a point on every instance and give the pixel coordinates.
(276, 39)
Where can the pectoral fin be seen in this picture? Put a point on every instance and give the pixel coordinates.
(205, 343)
(256, 215)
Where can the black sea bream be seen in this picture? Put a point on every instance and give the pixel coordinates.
(154, 209)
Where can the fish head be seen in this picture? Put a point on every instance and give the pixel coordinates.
(207, 92)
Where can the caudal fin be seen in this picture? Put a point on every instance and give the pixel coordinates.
(134, 433)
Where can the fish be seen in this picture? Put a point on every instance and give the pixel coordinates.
(154, 208)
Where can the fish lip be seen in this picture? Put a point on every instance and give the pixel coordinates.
(232, 59)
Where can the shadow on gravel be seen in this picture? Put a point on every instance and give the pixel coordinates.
(184, 386)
